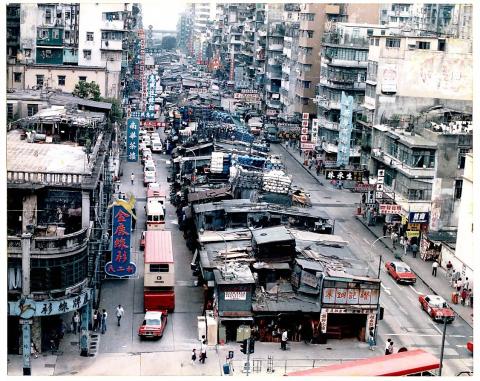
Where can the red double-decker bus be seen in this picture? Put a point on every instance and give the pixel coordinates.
(159, 275)
(409, 363)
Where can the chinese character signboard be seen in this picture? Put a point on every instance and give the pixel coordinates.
(133, 125)
(390, 209)
(354, 296)
(418, 218)
(314, 136)
(335, 174)
(120, 265)
(345, 127)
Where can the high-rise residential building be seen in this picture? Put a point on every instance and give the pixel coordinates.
(291, 18)
(463, 17)
(185, 31)
(13, 30)
(260, 41)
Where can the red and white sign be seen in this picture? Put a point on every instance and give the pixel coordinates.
(307, 146)
(305, 115)
(235, 295)
(304, 138)
(390, 209)
(305, 123)
(304, 131)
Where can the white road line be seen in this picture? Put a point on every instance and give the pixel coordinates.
(415, 291)
(435, 326)
(423, 335)
(365, 240)
(386, 289)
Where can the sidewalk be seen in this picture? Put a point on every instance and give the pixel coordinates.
(439, 285)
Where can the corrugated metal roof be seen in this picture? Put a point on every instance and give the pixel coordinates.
(158, 246)
(273, 234)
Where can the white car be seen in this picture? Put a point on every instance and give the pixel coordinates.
(156, 146)
(154, 186)
(149, 166)
(149, 177)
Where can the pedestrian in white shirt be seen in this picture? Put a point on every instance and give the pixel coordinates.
(284, 340)
(119, 313)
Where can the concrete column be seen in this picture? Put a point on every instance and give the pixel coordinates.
(29, 214)
(26, 243)
(36, 333)
(85, 209)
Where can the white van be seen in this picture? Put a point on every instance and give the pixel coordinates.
(156, 146)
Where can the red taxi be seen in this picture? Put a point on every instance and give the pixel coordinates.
(153, 324)
(400, 272)
(436, 307)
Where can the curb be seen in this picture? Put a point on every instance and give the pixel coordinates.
(418, 276)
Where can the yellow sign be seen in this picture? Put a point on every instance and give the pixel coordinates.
(413, 227)
(404, 220)
(411, 234)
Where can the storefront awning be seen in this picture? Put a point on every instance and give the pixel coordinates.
(236, 318)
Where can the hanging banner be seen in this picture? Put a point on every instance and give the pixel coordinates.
(390, 209)
(120, 265)
(345, 130)
(133, 125)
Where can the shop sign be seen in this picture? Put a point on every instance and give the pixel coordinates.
(390, 209)
(414, 227)
(271, 112)
(305, 116)
(50, 307)
(418, 217)
(120, 265)
(370, 322)
(235, 295)
(309, 279)
(364, 188)
(352, 296)
(323, 320)
(335, 174)
(305, 123)
(411, 234)
(133, 124)
(305, 146)
(346, 311)
(304, 138)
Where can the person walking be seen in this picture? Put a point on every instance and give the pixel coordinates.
(76, 322)
(371, 340)
(470, 297)
(387, 347)
(132, 178)
(466, 284)
(99, 320)
(459, 284)
(390, 348)
(449, 268)
(194, 356)
(318, 169)
(463, 296)
(95, 320)
(434, 268)
(119, 313)
(283, 344)
(104, 320)
(406, 247)
(414, 248)
(394, 237)
(384, 229)
(34, 350)
(203, 352)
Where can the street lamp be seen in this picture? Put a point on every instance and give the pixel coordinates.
(443, 345)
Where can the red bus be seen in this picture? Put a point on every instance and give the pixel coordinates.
(155, 209)
(159, 275)
(416, 362)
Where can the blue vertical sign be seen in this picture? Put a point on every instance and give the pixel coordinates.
(133, 125)
(120, 265)
(345, 127)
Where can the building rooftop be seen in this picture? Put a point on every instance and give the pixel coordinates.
(412, 141)
(67, 158)
(272, 235)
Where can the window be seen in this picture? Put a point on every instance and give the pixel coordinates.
(392, 42)
(159, 268)
(9, 110)
(87, 54)
(17, 77)
(48, 16)
(42, 34)
(61, 80)
(67, 35)
(370, 91)
(89, 36)
(46, 53)
(461, 157)
(441, 45)
(28, 53)
(67, 15)
(55, 34)
(369, 32)
(40, 78)
(306, 84)
(423, 45)
(382, 32)
(310, 33)
(32, 109)
(305, 101)
(82, 78)
(458, 189)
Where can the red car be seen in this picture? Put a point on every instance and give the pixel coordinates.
(436, 307)
(400, 272)
(153, 325)
(470, 346)
(142, 241)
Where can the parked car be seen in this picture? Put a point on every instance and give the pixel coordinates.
(470, 346)
(142, 241)
(149, 177)
(153, 324)
(400, 272)
(156, 146)
(154, 186)
(436, 307)
(149, 166)
(146, 154)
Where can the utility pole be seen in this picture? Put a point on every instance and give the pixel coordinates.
(248, 356)
(443, 345)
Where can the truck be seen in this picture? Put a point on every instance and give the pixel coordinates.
(270, 132)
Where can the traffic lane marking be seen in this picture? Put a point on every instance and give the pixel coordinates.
(435, 326)
(415, 291)
(386, 289)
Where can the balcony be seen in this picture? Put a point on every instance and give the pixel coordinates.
(347, 63)
(70, 56)
(304, 92)
(393, 163)
(327, 124)
(111, 45)
(332, 9)
(277, 30)
(50, 246)
(342, 84)
(335, 39)
(57, 179)
(327, 103)
(306, 42)
(276, 47)
(49, 37)
(112, 25)
(274, 74)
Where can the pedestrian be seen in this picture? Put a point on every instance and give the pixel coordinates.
(470, 297)
(459, 284)
(203, 352)
(387, 347)
(384, 228)
(371, 340)
(449, 268)
(119, 313)
(394, 237)
(95, 320)
(463, 296)
(104, 321)
(99, 320)
(466, 284)
(76, 322)
(284, 340)
(34, 350)
(455, 277)
(132, 178)
(194, 356)
(318, 169)
(414, 248)
(390, 348)
(434, 268)
(406, 247)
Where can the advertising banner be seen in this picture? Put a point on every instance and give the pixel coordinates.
(133, 125)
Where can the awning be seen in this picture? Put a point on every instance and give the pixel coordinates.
(234, 318)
